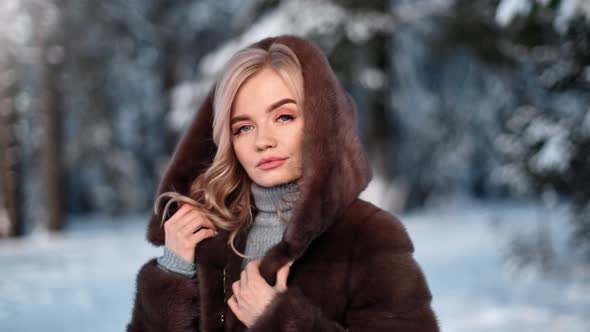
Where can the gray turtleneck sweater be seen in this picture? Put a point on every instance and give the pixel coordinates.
(266, 230)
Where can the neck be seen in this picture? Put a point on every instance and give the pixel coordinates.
(270, 198)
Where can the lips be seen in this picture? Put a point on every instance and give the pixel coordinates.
(272, 164)
(267, 160)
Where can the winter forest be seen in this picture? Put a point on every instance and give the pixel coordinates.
(475, 115)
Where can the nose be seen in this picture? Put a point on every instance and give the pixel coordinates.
(264, 141)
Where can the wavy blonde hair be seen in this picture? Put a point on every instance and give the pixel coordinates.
(222, 191)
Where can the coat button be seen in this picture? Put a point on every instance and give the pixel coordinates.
(222, 317)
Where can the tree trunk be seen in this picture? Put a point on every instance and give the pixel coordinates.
(50, 172)
(11, 224)
(50, 153)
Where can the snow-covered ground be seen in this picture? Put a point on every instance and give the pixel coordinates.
(84, 279)
(462, 251)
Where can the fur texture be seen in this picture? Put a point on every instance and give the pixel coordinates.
(354, 268)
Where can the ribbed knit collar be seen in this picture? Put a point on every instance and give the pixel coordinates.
(269, 198)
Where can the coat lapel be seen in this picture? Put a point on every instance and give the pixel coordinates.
(214, 258)
(210, 257)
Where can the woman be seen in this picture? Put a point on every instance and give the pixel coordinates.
(329, 260)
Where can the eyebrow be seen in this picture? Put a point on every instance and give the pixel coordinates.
(272, 107)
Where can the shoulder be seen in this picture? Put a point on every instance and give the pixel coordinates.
(378, 230)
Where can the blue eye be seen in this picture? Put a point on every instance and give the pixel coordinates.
(240, 129)
(287, 115)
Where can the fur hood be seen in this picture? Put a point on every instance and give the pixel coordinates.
(335, 167)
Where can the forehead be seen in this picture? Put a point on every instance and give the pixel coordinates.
(260, 91)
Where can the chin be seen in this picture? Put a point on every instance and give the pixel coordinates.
(269, 180)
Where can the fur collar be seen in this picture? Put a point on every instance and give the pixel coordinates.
(335, 169)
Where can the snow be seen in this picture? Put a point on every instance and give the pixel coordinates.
(81, 280)
(290, 17)
(16, 27)
(567, 10)
(84, 279)
(554, 156)
(557, 150)
(508, 10)
(372, 78)
(185, 97)
(461, 250)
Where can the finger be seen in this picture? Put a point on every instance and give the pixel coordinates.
(207, 222)
(192, 223)
(233, 305)
(181, 212)
(201, 235)
(203, 219)
(178, 224)
(244, 278)
(282, 275)
(178, 215)
(236, 289)
(197, 222)
(252, 270)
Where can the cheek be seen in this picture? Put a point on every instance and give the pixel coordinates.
(238, 150)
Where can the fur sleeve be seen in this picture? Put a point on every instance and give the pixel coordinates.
(388, 291)
(164, 301)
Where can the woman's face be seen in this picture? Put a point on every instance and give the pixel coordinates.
(266, 123)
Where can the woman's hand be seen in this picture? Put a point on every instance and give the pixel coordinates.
(186, 229)
(252, 294)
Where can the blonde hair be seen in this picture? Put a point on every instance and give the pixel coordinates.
(222, 191)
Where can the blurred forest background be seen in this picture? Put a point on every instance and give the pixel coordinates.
(458, 100)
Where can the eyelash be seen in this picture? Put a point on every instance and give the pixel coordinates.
(239, 130)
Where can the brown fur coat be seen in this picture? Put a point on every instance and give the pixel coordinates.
(354, 268)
